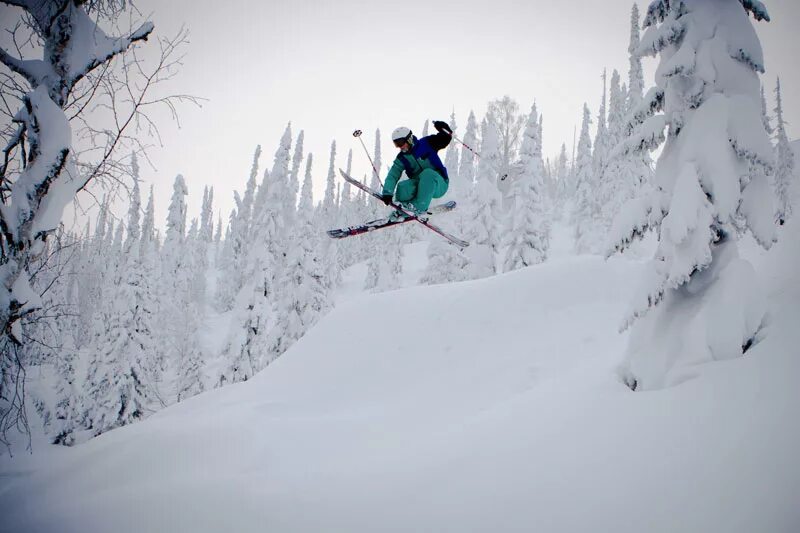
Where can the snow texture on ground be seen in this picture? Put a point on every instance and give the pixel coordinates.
(491, 405)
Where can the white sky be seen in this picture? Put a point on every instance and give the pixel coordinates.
(332, 67)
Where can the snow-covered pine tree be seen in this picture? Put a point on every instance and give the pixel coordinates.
(179, 311)
(304, 296)
(265, 261)
(601, 140)
(625, 172)
(226, 292)
(147, 242)
(562, 177)
(217, 238)
(765, 114)
(462, 192)
(486, 224)
(527, 238)
(207, 216)
(293, 187)
(328, 219)
(699, 301)
(784, 169)
(466, 166)
(635, 74)
(189, 358)
(124, 366)
(233, 255)
(587, 239)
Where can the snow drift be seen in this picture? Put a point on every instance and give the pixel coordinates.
(490, 405)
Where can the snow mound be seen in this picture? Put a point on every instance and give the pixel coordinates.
(491, 405)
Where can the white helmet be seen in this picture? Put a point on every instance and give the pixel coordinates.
(401, 134)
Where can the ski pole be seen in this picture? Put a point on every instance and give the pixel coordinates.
(468, 147)
(357, 134)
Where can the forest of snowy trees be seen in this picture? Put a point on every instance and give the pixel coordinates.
(106, 326)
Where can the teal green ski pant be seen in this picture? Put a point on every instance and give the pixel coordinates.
(420, 190)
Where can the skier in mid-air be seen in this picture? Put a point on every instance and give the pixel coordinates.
(427, 175)
(427, 179)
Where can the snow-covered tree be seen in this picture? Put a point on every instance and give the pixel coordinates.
(304, 297)
(784, 169)
(602, 142)
(39, 174)
(527, 238)
(503, 114)
(265, 262)
(699, 300)
(635, 74)
(466, 166)
(207, 216)
(485, 227)
(147, 244)
(293, 186)
(587, 238)
(124, 364)
(624, 172)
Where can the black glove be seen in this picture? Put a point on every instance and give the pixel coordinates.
(386, 198)
(442, 126)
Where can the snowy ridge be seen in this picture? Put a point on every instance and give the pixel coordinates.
(491, 405)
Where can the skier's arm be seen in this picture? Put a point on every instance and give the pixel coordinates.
(439, 140)
(393, 177)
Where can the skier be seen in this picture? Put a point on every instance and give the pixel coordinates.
(427, 175)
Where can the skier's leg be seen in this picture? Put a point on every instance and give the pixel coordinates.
(441, 187)
(406, 190)
(430, 183)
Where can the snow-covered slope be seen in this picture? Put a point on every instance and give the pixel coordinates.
(484, 406)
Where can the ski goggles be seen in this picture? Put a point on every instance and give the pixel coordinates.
(400, 142)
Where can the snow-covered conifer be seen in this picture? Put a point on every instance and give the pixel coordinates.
(527, 237)
(601, 140)
(207, 215)
(294, 175)
(586, 206)
(148, 226)
(635, 75)
(784, 169)
(264, 266)
(466, 166)
(764, 114)
(699, 300)
(485, 228)
(176, 216)
(304, 297)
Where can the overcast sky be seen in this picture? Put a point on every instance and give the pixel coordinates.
(332, 67)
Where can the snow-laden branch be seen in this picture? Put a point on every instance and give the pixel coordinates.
(99, 48)
(33, 70)
(756, 8)
(656, 38)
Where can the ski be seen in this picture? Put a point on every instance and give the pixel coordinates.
(386, 222)
(453, 239)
